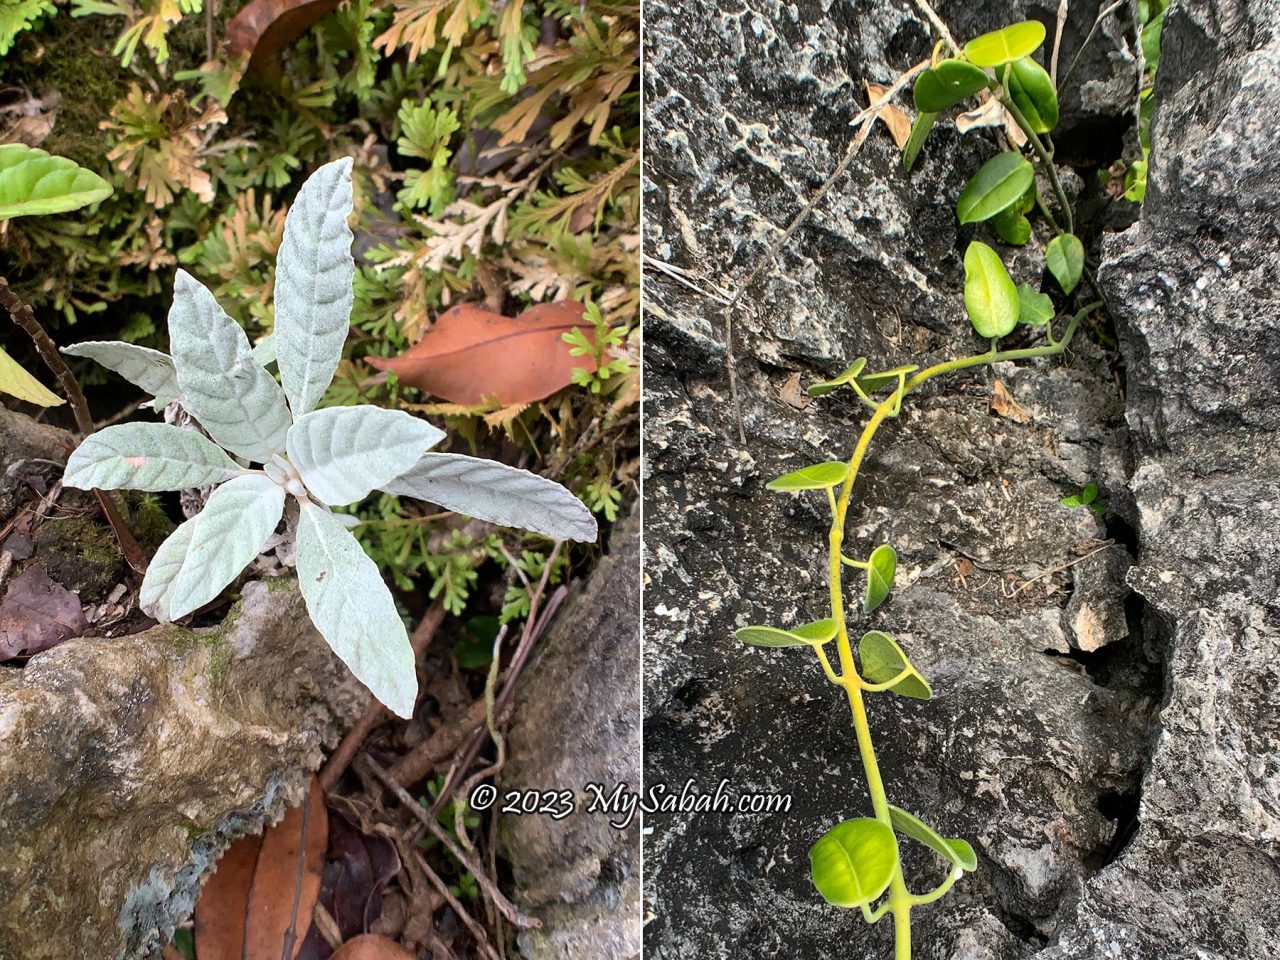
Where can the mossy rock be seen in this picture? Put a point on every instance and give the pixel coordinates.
(80, 554)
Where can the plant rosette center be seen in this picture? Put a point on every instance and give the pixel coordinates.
(285, 475)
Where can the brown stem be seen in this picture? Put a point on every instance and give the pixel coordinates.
(24, 317)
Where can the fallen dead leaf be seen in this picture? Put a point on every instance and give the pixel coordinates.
(1002, 403)
(36, 614)
(272, 883)
(372, 947)
(897, 122)
(791, 394)
(474, 357)
(265, 27)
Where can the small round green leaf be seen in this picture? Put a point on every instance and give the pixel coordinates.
(1034, 309)
(882, 660)
(947, 84)
(920, 128)
(1065, 258)
(853, 862)
(839, 380)
(821, 476)
(998, 185)
(34, 182)
(1033, 93)
(1011, 43)
(880, 569)
(990, 298)
(810, 634)
(1012, 226)
(959, 852)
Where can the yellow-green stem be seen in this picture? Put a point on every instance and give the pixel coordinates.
(900, 899)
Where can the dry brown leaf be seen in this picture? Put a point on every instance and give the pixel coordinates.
(1002, 403)
(474, 357)
(265, 27)
(36, 614)
(899, 123)
(371, 946)
(791, 394)
(248, 905)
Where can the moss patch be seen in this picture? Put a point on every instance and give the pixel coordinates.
(80, 554)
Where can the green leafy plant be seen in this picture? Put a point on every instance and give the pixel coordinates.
(857, 862)
(320, 457)
(1087, 497)
(33, 183)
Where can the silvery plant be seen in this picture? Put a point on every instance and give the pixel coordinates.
(261, 441)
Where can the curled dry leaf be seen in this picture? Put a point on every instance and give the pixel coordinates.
(1002, 403)
(372, 947)
(270, 884)
(898, 123)
(265, 27)
(37, 614)
(473, 357)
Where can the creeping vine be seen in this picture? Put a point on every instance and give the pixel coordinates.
(856, 864)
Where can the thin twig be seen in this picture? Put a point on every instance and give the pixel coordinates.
(866, 119)
(442, 888)
(943, 31)
(341, 758)
(1066, 566)
(291, 932)
(25, 318)
(682, 277)
(483, 880)
(1057, 42)
(1092, 30)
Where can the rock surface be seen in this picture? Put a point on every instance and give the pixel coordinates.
(1194, 286)
(577, 722)
(127, 765)
(1031, 749)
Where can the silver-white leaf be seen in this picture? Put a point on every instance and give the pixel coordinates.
(231, 394)
(147, 456)
(229, 532)
(148, 369)
(264, 351)
(493, 491)
(157, 585)
(313, 293)
(353, 609)
(344, 453)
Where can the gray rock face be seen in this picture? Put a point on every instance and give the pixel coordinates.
(1029, 752)
(1194, 286)
(127, 765)
(577, 722)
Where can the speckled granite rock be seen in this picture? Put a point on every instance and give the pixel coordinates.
(1033, 755)
(127, 765)
(577, 722)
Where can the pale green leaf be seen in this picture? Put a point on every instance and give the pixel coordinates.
(147, 369)
(882, 660)
(344, 453)
(920, 128)
(1034, 308)
(990, 298)
(18, 383)
(147, 456)
(33, 182)
(1002, 46)
(497, 493)
(1032, 91)
(959, 852)
(231, 530)
(231, 394)
(809, 634)
(1065, 259)
(1012, 226)
(853, 862)
(999, 184)
(880, 570)
(820, 476)
(839, 380)
(871, 382)
(353, 609)
(157, 585)
(313, 291)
